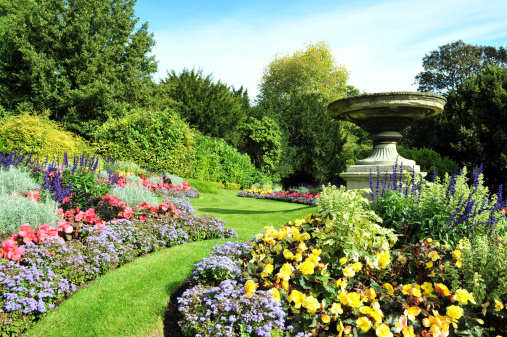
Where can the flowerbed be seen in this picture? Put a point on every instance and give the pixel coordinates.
(287, 196)
(345, 272)
(42, 264)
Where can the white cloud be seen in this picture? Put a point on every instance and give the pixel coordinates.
(382, 44)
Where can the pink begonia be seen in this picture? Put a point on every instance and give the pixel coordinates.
(154, 208)
(33, 195)
(79, 216)
(60, 213)
(11, 251)
(27, 233)
(44, 231)
(65, 226)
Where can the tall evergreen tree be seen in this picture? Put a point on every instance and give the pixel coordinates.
(83, 59)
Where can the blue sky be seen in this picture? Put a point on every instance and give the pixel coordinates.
(381, 43)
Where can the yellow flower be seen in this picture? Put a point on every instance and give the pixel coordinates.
(442, 290)
(316, 252)
(408, 332)
(412, 312)
(285, 272)
(250, 287)
(357, 266)
(325, 318)
(288, 254)
(298, 257)
(383, 259)
(354, 299)
(285, 285)
(459, 263)
(302, 247)
(336, 309)
(383, 331)
(462, 296)
(311, 304)
(428, 289)
(454, 312)
(344, 299)
(268, 269)
(433, 255)
(343, 260)
(456, 254)
(313, 259)
(370, 294)
(389, 288)
(276, 294)
(363, 323)
(297, 297)
(498, 305)
(429, 265)
(365, 310)
(306, 268)
(348, 271)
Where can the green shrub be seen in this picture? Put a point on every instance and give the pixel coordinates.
(16, 180)
(429, 159)
(15, 211)
(134, 196)
(158, 140)
(218, 161)
(232, 186)
(38, 133)
(220, 185)
(202, 186)
(85, 182)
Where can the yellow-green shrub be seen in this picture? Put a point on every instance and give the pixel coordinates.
(232, 186)
(45, 137)
(158, 140)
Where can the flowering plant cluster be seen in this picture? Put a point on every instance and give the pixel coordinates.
(287, 196)
(336, 274)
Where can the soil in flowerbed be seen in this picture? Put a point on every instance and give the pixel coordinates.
(173, 315)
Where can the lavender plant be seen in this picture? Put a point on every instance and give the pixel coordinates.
(227, 311)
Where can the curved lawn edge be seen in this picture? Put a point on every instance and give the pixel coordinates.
(131, 300)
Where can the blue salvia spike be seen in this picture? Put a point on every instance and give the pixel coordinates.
(434, 174)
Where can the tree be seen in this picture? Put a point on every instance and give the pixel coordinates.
(312, 70)
(83, 59)
(215, 109)
(451, 64)
(474, 131)
(262, 140)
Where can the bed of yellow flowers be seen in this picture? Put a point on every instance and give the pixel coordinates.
(352, 288)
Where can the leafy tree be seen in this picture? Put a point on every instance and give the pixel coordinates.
(262, 140)
(215, 109)
(83, 59)
(474, 127)
(451, 64)
(312, 70)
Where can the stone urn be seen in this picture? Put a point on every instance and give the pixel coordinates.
(383, 116)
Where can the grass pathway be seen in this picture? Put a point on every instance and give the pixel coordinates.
(131, 300)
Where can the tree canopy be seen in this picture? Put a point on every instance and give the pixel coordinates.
(215, 109)
(312, 70)
(451, 64)
(83, 59)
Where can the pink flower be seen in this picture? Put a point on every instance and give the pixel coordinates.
(65, 226)
(154, 208)
(79, 216)
(59, 213)
(27, 233)
(33, 195)
(11, 251)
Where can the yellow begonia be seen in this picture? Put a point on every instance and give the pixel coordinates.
(442, 290)
(348, 271)
(307, 268)
(354, 299)
(316, 252)
(343, 297)
(298, 257)
(276, 294)
(250, 287)
(356, 266)
(412, 312)
(454, 312)
(438, 324)
(343, 260)
(456, 254)
(427, 287)
(285, 285)
(498, 305)
(364, 323)
(288, 254)
(268, 269)
(370, 294)
(311, 304)
(462, 296)
(383, 331)
(313, 259)
(409, 332)
(433, 255)
(383, 259)
(285, 272)
(302, 247)
(429, 265)
(297, 297)
(390, 289)
(325, 318)
(336, 309)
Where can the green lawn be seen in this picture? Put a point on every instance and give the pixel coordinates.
(131, 300)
